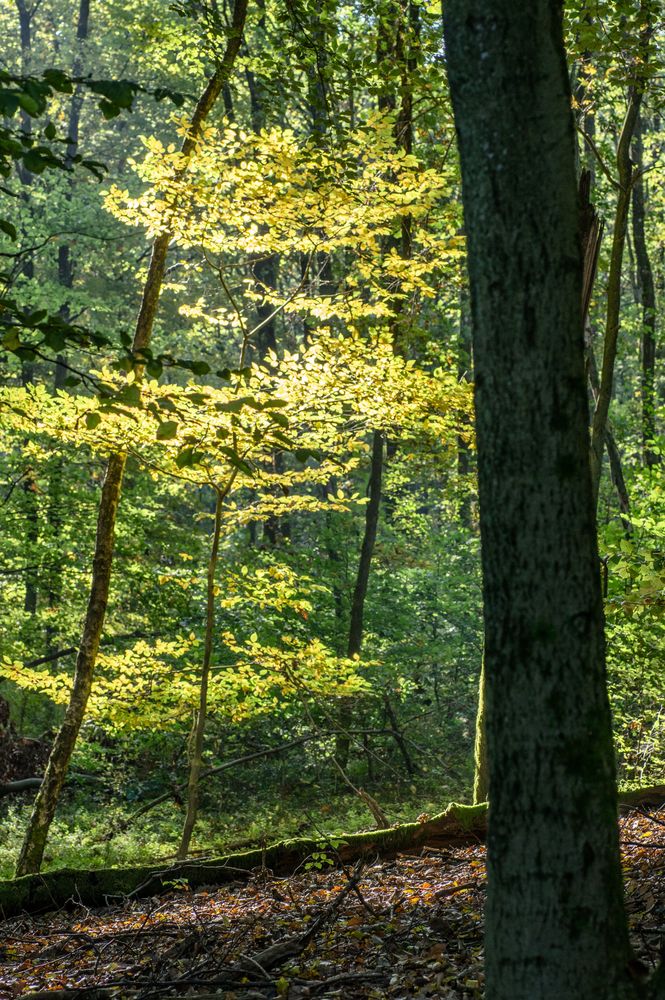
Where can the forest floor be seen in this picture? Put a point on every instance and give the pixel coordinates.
(409, 927)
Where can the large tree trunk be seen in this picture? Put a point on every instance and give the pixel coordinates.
(32, 850)
(459, 824)
(555, 925)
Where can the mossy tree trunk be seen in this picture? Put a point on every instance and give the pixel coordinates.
(46, 802)
(32, 849)
(555, 923)
(480, 772)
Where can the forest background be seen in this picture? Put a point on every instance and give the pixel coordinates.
(296, 577)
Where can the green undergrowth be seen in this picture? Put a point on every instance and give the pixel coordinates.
(79, 833)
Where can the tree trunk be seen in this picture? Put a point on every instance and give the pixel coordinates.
(199, 724)
(464, 370)
(555, 925)
(389, 48)
(625, 180)
(32, 850)
(480, 762)
(342, 743)
(647, 299)
(66, 282)
(613, 455)
(459, 824)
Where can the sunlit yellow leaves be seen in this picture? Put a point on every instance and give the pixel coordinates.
(254, 195)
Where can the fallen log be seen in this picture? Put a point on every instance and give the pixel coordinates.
(636, 798)
(24, 784)
(459, 824)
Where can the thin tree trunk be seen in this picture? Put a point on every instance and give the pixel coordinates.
(613, 455)
(390, 46)
(625, 180)
(66, 281)
(591, 230)
(647, 299)
(32, 850)
(200, 715)
(46, 801)
(464, 370)
(367, 548)
(555, 924)
(356, 624)
(480, 762)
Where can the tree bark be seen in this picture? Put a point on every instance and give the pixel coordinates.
(199, 724)
(647, 300)
(32, 850)
(356, 624)
(625, 180)
(44, 807)
(480, 762)
(66, 282)
(555, 924)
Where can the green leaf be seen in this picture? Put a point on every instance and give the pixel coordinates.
(58, 80)
(29, 104)
(130, 395)
(236, 461)
(236, 405)
(8, 228)
(92, 420)
(280, 418)
(35, 162)
(188, 457)
(116, 93)
(199, 367)
(167, 430)
(108, 110)
(11, 341)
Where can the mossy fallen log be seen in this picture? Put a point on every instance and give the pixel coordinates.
(633, 798)
(459, 824)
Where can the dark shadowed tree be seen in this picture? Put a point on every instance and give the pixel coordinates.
(556, 926)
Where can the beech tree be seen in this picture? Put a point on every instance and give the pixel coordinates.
(46, 801)
(555, 923)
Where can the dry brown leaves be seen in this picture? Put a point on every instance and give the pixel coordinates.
(411, 928)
